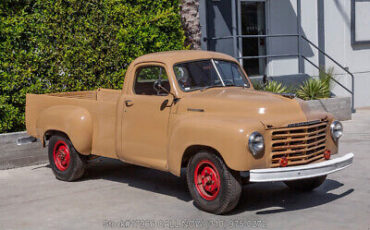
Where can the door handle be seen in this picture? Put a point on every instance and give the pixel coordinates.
(129, 103)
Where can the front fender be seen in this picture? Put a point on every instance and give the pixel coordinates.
(226, 135)
(74, 121)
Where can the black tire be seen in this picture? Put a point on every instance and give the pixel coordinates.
(229, 189)
(76, 164)
(305, 185)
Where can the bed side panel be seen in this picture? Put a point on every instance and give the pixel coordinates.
(41, 117)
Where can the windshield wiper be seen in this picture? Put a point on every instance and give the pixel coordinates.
(242, 86)
(216, 86)
(210, 86)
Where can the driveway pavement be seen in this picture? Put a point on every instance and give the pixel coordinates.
(114, 195)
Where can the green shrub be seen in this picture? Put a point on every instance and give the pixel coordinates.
(327, 76)
(70, 45)
(271, 86)
(317, 88)
(257, 85)
(313, 89)
(275, 87)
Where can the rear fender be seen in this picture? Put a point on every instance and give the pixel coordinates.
(74, 121)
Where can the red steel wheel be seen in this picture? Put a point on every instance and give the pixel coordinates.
(62, 156)
(207, 180)
(214, 187)
(67, 164)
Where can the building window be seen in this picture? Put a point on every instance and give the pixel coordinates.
(360, 32)
(252, 22)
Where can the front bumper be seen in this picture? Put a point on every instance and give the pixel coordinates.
(302, 171)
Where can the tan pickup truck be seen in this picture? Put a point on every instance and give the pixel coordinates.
(196, 110)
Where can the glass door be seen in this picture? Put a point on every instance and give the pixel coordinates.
(252, 21)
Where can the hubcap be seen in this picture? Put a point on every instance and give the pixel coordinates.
(61, 155)
(207, 180)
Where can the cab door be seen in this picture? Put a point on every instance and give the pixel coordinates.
(146, 117)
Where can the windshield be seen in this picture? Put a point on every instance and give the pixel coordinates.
(209, 73)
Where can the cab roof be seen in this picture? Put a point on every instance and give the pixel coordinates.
(172, 57)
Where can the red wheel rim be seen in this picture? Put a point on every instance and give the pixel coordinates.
(207, 180)
(61, 155)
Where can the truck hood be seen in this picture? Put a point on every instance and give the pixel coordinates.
(271, 109)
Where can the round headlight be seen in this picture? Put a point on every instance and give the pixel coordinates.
(256, 143)
(336, 129)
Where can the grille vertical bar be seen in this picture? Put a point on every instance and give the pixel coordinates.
(300, 145)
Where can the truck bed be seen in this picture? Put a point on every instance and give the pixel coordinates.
(96, 95)
(101, 104)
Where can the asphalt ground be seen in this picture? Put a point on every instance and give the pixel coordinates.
(114, 195)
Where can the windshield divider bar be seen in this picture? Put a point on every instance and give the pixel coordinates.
(218, 73)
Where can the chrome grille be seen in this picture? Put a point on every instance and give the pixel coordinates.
(300, 145)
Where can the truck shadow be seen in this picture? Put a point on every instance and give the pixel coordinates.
(270, 198)
(138, 177)
(261, 198)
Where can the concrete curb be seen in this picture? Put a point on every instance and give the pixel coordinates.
(14, 156)
(9, 137)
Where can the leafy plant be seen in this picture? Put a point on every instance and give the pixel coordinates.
(327, 76)
(313, 89)
(275, 87)
(71, 45)
(317, 88)
(271, 86)
(257, 85)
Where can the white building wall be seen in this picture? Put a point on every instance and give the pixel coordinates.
(338, 45)
(282, 19)
(309, 28)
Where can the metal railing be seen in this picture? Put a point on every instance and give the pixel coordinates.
(299, 55)
(352, 91)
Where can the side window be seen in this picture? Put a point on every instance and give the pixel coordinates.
(145, 78)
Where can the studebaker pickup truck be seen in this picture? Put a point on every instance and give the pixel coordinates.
(195, 110)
